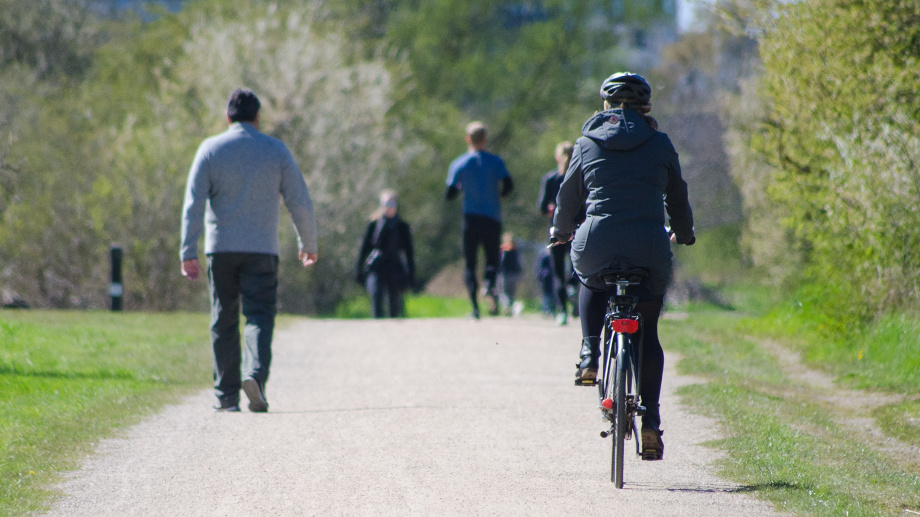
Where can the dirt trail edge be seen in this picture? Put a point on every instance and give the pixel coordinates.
(407, 417)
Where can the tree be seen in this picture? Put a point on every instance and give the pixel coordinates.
(530, 70)
(100, 155)
(49, 37)
(840, 134)
(117, 150)
(45, 50)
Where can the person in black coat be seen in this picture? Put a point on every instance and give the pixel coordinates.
(546, 202)
(628, 175)
(386, 263)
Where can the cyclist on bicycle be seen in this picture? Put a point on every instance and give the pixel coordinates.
(627, 174)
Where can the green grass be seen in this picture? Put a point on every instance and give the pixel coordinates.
(68, 379)
(866, 352)
(901, 420)
(417, 306)
(783, 444)
(880, 355)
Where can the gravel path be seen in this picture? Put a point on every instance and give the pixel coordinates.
(408, 417)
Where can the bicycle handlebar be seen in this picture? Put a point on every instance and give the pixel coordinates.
(553, 241)
(690, 242)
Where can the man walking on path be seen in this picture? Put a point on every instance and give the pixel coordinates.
(484, 180)
(232, 194)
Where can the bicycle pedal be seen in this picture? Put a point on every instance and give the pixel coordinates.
(586, 382)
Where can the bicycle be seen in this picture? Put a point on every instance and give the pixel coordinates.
(618, 378)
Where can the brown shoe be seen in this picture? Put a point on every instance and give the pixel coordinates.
(586, 376)
(652, 445)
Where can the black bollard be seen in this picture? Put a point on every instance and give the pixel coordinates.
(116, 288)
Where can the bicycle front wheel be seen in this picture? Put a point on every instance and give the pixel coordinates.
(620, 425)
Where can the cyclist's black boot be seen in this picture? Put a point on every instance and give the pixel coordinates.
(587, 367)
(652, 445)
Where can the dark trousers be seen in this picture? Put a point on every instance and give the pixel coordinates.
(593, 308)
(560, 274)
(385, 290)
(250, 278)
(480, 230)
(509, 287)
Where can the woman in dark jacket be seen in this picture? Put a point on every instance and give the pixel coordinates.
(626, 173)
(386, 264)
(549, 188)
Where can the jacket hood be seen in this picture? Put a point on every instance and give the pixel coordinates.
(618, 129)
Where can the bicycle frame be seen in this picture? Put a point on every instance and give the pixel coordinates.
(622, 324)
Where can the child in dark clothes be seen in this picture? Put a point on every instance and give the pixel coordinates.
(509, 268)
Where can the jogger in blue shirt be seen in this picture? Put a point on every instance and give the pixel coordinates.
(484, 180)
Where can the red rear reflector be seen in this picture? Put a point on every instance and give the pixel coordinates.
(607, 404)
(625, 325)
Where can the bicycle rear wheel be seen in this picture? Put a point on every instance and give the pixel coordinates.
(620, 425)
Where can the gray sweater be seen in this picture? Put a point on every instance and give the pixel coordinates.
(233, 190)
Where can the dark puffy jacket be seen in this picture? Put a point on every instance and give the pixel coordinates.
(627, 175)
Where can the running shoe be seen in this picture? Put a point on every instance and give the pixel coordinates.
(256, 394)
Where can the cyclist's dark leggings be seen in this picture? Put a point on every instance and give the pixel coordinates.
(479, 229)
(593, 306)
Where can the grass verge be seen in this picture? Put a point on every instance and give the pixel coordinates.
(880, 355)
(784, 443)
(68, 379)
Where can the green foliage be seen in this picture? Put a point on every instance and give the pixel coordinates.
(69, 379)
(841, 133)
(49, 37)
(529, 70)
(119, 145)
(102, 115)
(456, 54)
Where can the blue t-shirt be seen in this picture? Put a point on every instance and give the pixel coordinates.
(477, 174)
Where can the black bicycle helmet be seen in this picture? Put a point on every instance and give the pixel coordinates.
(626, 88)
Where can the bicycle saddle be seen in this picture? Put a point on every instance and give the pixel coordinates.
(634, 275)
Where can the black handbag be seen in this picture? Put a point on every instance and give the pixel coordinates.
(375, 256)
